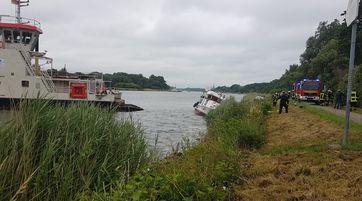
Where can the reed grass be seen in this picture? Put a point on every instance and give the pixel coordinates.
(51, 152)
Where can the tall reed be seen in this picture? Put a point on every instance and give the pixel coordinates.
(51, 152)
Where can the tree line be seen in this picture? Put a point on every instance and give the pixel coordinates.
(118, 80)
(326, 57)
(136, 81)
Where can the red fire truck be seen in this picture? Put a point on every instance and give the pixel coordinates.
(308, 90)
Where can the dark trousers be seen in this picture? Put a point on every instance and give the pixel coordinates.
(281, 108)
(338, 105)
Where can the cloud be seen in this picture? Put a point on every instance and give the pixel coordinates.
(192, 43)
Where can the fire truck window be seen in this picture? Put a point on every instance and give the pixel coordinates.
(8, 36)
(17, 37)
(26, 37)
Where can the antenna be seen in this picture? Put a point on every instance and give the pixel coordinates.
(19, 4)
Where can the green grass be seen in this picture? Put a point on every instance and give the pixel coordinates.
(207, 171)
(292, 149)
(50, 152)
(340, 121)
(353, 145)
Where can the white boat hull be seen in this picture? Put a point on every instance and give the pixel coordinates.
(208, 102)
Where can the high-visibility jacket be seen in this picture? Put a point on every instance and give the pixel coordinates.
(354, 97)
(322, 96)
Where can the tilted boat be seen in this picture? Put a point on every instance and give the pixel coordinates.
(209, 101)
(23, 73)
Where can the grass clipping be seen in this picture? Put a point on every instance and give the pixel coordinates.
(50, 152)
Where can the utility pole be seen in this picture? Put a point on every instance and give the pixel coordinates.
(351, 19)
(350, 80)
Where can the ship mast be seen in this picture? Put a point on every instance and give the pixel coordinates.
(19, 4)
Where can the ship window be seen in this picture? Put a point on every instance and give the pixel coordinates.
(8, 36)
(27, 37)
(17, 37)
(25, 83)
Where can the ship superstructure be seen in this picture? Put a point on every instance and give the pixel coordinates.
(26, 72)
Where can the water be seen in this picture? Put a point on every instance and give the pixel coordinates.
(168, 117)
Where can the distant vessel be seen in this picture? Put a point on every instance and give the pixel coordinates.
(23, 74)
(174, 89)
(209, 101)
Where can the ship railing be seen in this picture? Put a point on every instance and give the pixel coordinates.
(48, 82)
(62, 90)
(14, 20)
(27, 58)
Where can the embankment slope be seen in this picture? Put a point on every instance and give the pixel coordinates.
(303, 161)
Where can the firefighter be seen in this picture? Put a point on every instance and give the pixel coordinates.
(322, 98)
(354, 98)
(275, 99)
(284, 102)
(339, 96)
(329, 96)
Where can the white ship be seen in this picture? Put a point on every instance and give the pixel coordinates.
(27, 73)
(209, 101)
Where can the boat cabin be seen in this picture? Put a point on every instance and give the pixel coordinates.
(211, 95)
(20, 36)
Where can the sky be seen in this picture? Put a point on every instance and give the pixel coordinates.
(191, 43)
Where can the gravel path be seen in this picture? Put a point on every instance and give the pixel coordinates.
(354, 116)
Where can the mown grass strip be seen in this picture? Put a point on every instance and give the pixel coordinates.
(292, 149)
(340, 121)
(353, 145)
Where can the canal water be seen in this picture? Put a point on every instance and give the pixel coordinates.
(168, 117)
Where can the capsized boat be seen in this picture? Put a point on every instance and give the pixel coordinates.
(209, 101)
(24, 74)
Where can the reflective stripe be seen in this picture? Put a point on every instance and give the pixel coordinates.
(321, 96)
(354, 97)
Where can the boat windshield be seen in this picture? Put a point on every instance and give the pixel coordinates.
(214, 98)
(8, 36)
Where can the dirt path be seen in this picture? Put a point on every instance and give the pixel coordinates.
(354, 116)
(302, 173)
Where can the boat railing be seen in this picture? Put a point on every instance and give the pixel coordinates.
(14, 20)
(27, 59)
(62, 89)
(48, 81)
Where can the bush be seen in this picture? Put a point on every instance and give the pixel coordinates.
(244, 126)
(50, 152)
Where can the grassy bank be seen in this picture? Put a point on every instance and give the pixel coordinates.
(52, 152)
(210, 169)
(302, 159)
(355, 128)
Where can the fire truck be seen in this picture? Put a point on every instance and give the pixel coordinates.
(308, 90)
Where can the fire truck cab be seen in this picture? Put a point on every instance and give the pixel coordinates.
(308, 90)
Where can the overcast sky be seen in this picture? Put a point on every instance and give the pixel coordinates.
(192, 43)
